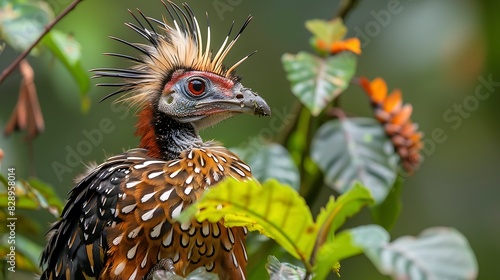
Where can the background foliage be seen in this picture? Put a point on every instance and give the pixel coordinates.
(436, 51)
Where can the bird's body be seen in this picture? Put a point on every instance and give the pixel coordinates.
(119, 220)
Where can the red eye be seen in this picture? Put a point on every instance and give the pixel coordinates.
(196, 87)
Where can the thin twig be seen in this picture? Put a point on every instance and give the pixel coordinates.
(16, 62)
(290, 127)
(345, 7)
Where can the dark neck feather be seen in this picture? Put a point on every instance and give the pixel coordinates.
(163, 136)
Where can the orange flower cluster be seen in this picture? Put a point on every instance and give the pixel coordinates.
(390, 111)
(350, 44)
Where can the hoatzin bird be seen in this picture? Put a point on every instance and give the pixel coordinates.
(119, 219)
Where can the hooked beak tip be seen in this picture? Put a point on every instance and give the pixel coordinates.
(254, 102)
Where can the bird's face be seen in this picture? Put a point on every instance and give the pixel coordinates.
(204, 99)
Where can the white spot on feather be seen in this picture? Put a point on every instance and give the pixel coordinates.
(129, 208)
(173, 163)
(231, 236)
(131, 158)
(132, 184)
(156, 230)
(119, 268)
(177, 211)
(184, 240)
(176, 257)
(221, 168)
(237, 170)
(148, 215)
(205, 229)
(166, 195)
(167, 240)
(144, 261)
(146, 163)
(185, 226)
(175, 173)
(244, 249)
(134, 232)
(132, 251)
(132, 277)
(148, 196)
(235, 262)
(247, 168)
(153, 175)
(117, 240)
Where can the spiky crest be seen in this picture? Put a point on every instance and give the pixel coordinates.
(179, 46)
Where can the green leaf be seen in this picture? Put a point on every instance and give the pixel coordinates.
(273, 209)
(327, 31)
(346, 244)
(24, 198)
(47, 194)
(355, 149)
(317, 81)
(361, 239)
(387, 212)
(68, 51)
(271, 161)
(334, 214)
(437, 253)
(327, 258)
(283, 271)
(24, 223)
(21, 22)
(22, 202)
(330, 218)
(32, 195)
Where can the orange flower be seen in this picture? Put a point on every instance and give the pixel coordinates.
(350, 44)
(395, 117)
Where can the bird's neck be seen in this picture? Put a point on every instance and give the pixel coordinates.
(163, 136)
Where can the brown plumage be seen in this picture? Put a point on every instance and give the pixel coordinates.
(119, 220)
(158, 191)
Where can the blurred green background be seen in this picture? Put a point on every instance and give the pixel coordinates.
(437, 52)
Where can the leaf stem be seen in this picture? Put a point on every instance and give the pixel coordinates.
(7, 71)
(345, 7)
(290, 127)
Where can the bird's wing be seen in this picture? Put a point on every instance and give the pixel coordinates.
(77, 243)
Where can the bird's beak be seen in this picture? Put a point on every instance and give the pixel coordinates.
(238, 100)
(250, 102)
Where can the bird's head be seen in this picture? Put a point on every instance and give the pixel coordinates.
(177, 81)
(204, 98)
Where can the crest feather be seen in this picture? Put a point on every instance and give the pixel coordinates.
(178, 45)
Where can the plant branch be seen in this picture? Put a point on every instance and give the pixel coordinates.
(290, 127)
(25, 53)
(345, 7)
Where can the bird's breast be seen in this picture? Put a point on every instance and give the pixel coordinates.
(154, 193)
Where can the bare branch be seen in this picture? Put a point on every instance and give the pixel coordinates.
(25, 53)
